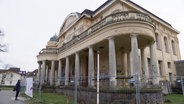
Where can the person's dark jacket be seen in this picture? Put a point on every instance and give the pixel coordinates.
(18, 86)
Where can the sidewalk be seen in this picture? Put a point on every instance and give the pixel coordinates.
(8, 97)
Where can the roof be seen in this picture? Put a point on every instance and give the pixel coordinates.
(104, 4)
(89, 12)
(54, 38)
(149, 12)
(33, 73)
(4, 71)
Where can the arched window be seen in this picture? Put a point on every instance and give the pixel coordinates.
(173, 47)
(157, 41)
(166, 45)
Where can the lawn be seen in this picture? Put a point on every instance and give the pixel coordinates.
(54, 98)
(174, 99)
(50, 98)
(6, 87)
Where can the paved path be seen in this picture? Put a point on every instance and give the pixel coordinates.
(8, 97)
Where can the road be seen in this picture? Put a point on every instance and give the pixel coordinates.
(8, 97)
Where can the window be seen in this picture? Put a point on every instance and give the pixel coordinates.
(160, 67)
(11, 75)
(170, 77)
(173, 47)
(157, 40)
(166, 45)
(169, 65)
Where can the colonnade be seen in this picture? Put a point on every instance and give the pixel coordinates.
(132, 64)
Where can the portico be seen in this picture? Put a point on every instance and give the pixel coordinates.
(83, 62)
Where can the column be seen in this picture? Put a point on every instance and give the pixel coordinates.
(39, 72)
(43, 72)
(46, 74)
(144, 65)
(112, 62)
(52, 72)
(66, 71)
(129, 68)
(77, 68)
(59, 72)
(124, 61)
(135, 54)
(55, 76)
(90, 67)
(154, 63)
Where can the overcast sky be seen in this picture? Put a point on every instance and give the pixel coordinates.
(29, 24)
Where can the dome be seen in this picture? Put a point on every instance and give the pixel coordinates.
(54, 38)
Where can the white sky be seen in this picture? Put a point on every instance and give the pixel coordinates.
(29, 24)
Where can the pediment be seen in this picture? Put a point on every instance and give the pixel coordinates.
(118, 6)
(70, 19)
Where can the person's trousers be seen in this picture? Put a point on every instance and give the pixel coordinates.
(17, 93)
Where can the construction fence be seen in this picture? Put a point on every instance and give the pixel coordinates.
(129, 90)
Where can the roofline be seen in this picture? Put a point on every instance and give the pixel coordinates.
(86, 11)
(2, 71)
(168, 24)
(149, 12)
(110, 1)
(104, 4)
(73, 13)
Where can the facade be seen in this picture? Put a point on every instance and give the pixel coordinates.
(9, 78)
(129, 39)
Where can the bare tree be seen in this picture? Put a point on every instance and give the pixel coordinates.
(3, 47)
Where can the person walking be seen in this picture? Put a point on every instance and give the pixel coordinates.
(17, 89)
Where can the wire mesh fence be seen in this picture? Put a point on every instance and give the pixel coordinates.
(129, 90)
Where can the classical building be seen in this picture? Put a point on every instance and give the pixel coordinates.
(130, 41)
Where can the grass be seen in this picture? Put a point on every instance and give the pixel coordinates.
(50, 98)
(6, 88)
(54, 98)
(174, 99)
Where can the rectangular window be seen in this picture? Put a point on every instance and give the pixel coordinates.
(166, 45)
(170, 77)
(11, 75)
(160, 67)
(157, 41)
(173, 47)
(169, 65)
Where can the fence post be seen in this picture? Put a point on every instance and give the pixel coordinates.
(98, 68)
(39, 97)
(182, 85)
(137, 88)
(75, 91)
